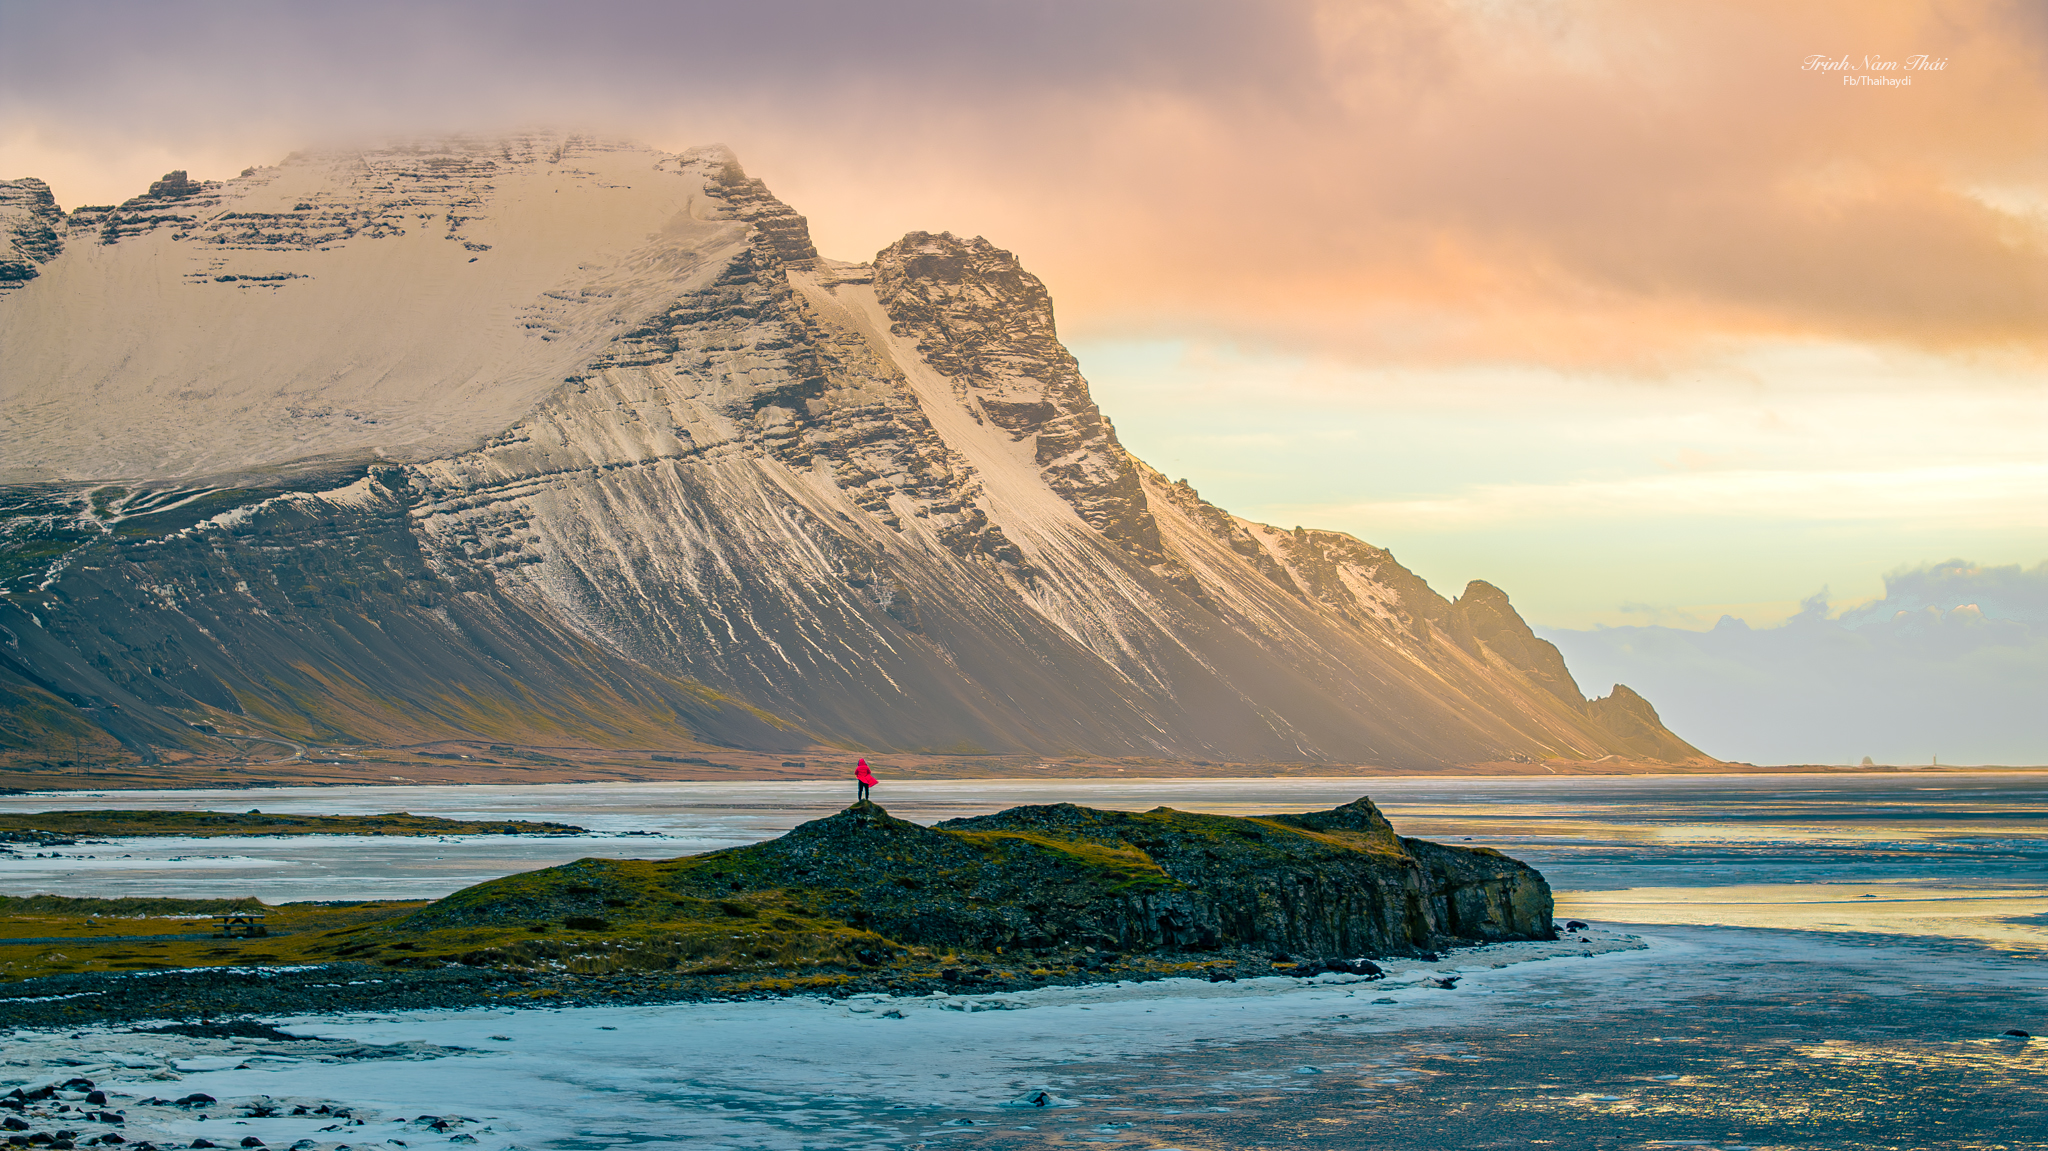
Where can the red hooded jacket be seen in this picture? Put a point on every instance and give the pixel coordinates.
(864, 775)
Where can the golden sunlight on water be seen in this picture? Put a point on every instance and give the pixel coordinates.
(2005, 918)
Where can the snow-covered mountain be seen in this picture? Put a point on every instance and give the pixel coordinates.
(557, 438)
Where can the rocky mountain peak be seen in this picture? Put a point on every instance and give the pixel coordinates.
(979, 318)
(174, 186)
(1483, 616)
(1484, 623)
(783, 231)
(1631, 718)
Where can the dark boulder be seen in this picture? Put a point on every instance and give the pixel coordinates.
(1365, 967)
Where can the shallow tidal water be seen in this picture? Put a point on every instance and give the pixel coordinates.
(1777, 962)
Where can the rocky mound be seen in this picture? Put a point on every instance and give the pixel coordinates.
(1051, 885)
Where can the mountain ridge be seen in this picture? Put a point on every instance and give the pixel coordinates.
(780, 501)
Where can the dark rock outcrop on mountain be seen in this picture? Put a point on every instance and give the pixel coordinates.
(174, 186)
(774, 500)
(29, 237)
(1040, 879)
(784, 232)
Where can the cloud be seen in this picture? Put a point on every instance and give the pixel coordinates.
(2004, 495)
(1951, 662)
(2007, 592)
(1568, 182)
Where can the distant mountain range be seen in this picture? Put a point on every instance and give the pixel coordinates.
(558, 440)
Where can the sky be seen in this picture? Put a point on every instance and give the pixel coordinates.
(1945, 668)
(1636, 311)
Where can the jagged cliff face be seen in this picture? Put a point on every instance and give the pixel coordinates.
(1350, 886)
(783, 499)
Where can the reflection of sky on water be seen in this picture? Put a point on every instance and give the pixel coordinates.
(2000, 917)
(1931, 833)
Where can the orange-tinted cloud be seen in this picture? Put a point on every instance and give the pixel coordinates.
(1596, 182)
(1558, 182)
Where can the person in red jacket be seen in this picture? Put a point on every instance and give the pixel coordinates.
(865, 778)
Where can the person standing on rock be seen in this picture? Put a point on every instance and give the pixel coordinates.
(865, 778)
